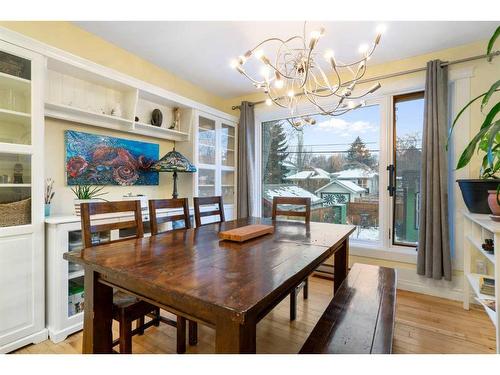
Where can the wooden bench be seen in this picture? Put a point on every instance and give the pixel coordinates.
(360, 317)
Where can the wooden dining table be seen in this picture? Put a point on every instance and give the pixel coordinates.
(191, 272)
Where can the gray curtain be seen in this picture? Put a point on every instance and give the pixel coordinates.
(434, 258)
(246, 160)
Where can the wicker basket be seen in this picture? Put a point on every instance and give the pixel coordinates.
(15, 213)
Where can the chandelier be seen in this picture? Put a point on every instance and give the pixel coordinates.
(295, 75)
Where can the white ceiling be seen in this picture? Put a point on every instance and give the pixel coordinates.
(200, 51)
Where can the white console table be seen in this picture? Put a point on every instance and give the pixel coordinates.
(477, 228)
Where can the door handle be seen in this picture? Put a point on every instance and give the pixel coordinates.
(391, 188)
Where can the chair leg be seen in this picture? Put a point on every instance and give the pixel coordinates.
(125, 336)
(140, 325)
(306, 288)
(293, 304)
(193, 333)
(181, 335)
(157, 318)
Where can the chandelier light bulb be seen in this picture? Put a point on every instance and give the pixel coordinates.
(316, 34)
(269, 101)
(259, 53)
(291, 94)
(381, 29)
(234, 63)
(279, 83)
(328, 54)
(363, 48)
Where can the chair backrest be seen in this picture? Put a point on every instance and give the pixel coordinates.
(296, 201)
(87, 210)
(204, 201)
(156, 204)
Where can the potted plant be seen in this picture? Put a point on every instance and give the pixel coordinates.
(87, 194)
(49, 194)
(475, 191)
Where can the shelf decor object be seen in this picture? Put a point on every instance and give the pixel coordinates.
(101, 160)
(292, 72)
(174, 162)
(481, 235)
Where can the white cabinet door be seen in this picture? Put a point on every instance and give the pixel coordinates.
(22, 308)
(21, 283)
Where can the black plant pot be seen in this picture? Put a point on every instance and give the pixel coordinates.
(475, 194)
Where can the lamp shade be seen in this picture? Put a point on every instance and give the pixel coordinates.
(173, 161)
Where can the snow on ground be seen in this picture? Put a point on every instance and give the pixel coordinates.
(366, 234)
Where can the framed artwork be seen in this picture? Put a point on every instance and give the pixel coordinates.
(93, 159)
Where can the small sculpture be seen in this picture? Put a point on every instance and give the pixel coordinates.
(117, 111)
(488, 246)
(177, 119)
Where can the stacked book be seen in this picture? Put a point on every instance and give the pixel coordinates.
(487, 286)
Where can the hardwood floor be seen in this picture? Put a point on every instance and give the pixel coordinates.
(424, 324)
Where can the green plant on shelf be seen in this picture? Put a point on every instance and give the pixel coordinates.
(88, 192)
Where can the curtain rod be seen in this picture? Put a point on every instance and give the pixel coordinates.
(404, 72)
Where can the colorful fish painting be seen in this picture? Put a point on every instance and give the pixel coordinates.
(101, 160)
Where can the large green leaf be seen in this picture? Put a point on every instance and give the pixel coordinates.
(494, 37)
(469, 150)
(488, 120)
(494, 87)
(493, 133)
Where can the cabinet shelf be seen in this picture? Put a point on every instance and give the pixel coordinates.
(16, 83)
(69, 113)
(478, 247)
(159, 132)
(76, 274)
(491, 313)
(14, 116)
(474, 283)
(15, 185)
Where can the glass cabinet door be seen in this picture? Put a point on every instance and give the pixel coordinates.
(227, 187)
(15, 129)
(228, 146)
(206, 141)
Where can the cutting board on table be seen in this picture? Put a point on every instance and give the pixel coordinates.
(246, 233)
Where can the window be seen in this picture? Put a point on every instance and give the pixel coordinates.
(408, 112)
(334, 162)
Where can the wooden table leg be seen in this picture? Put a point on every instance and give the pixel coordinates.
(235, 338)
(340, 265)
(98, 315)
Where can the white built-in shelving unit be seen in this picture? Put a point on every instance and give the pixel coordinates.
(477, 228)
(87, 97)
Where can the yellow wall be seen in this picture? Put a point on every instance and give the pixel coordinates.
(70, 38)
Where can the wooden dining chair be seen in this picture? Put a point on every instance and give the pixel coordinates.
(208, 201)
(306, 214)
(126, 308)
(155, 220)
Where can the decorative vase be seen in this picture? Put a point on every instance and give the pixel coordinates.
(493, 203)
(47, 209)
(156, 117)
(475, 193)
(78, 201)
